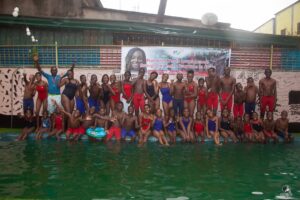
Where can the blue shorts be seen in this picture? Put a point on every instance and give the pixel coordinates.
(130, 133)
(80, 105)
(94, 103)
(178, 106)
(282, 134)
(249, 108)
(28, 104)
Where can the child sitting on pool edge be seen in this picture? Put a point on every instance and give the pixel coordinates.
(130, 124)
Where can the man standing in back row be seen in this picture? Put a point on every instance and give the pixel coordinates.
(53, 84)
(267, 93)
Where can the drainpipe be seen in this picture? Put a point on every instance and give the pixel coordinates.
(271, 57)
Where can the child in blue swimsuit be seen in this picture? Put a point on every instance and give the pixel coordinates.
(158, 128)
(165, 89)
(212, 126)
(45, 126)
(186, 124)
(171, 126)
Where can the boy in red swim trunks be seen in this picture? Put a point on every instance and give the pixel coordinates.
(118, 117)
(239, 99)
(227, 88)
(269, 127)
(138, 92)
(190, 94)
(213, 88)
(267, 93)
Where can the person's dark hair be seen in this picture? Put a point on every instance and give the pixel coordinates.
(38, 73)
(82, 75)
(104, 76)
(128, 72)
(190, 71)
(201, 79)
(154, 72)
(129, 56)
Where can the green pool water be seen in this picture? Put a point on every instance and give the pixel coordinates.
(85, 170)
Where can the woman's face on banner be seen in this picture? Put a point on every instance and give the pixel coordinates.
(136, 60)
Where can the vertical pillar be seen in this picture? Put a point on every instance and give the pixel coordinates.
(56, 54)
(271, 57)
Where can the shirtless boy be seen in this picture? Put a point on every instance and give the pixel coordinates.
(138, 92)
(267, 93)
(251, 91)
(95, 92)
(81, 95)
(29, 92)
(282, 127)
(178, 94)
(129, 125)
(227, 85)
(239, 99)
(213, 88)
(118, 117)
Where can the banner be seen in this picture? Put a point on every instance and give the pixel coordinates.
(173, 60)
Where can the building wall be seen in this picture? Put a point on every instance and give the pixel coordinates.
(283, 21)
(267, 28)
(296, 18)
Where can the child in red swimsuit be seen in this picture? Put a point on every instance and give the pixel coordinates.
(146, 120)
(42, 89)
(249, 135)
(202, 96)
(57, 124)
(199, 126)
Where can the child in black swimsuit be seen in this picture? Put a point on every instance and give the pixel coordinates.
(30, 125)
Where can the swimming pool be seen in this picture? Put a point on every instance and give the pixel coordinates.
(49, 169)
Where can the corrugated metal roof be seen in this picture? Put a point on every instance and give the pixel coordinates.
(117, 26)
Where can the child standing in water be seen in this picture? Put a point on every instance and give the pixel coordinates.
(269, 127)
(30, 124)
(127, 90)
(129, 125)
(57, 124)
(185, 123)
(146, 120)
(45, 126)
(202, 96)
(199, 126)
(101, 120)
(170, 124)
(225, 126)
(211, 126)
(165, 89)
(282, 127)
(158, 128)
(238, 128)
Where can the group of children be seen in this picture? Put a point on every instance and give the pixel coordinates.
(143, 116)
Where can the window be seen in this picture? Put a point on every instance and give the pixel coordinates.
(298, 28)
(283, 32)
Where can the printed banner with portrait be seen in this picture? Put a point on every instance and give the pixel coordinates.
(173, 60)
